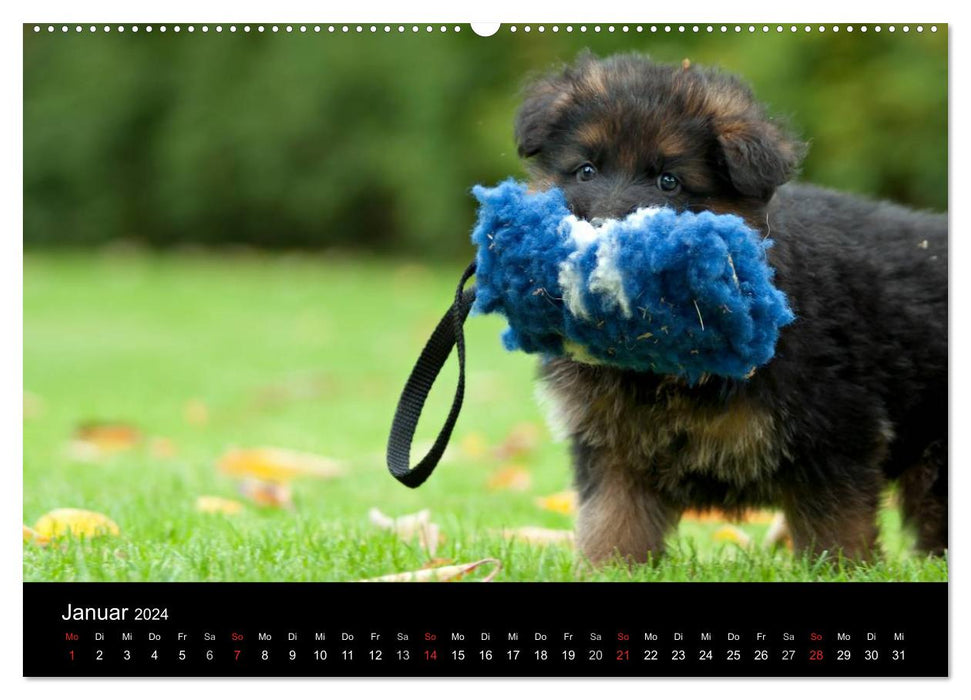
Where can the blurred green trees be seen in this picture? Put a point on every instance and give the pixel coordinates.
(373, 140)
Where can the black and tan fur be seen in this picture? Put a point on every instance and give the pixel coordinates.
(857, 394)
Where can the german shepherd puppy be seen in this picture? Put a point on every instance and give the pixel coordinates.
(856, 395)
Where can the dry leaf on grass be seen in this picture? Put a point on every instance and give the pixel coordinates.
(218, 504)
(730, 533)
(268, 494)
(521, 440)
(714, 515)
(267, 471)
(441, 573)
(76, 523)
(277, 464)
(410, 527)
(539, 535)
(94, 441)
(510, 478)
(436, 563)
(33, 537)
(564, 502)
(109, 437)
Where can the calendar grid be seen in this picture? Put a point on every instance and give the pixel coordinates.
(636, 630)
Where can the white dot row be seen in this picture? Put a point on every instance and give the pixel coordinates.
(725, 28)
(347, 29)
(288, 28)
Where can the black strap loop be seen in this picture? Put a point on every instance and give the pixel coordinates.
(448, 333)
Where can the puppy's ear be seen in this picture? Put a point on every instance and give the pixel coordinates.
(546, 99)
(543, 103)
(758, 155)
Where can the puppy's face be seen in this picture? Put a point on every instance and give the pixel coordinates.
(623, 133)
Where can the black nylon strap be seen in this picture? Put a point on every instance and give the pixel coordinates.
(448, 333)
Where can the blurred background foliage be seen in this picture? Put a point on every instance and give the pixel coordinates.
(372, 141)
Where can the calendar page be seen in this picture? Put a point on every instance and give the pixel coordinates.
(548, 349)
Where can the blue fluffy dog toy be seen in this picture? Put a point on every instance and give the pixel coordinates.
(661, 291)
(671, 293)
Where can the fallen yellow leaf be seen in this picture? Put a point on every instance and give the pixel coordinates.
(510, 478)
(442, 573)
(92, 441)
(436, 563)
(714, 515)
(269, 494)
(31, 535)
(539, 535)
(76, 523)
(109, 437)
(730, 533)
(563, 502)
(276, 464)
(217, 504)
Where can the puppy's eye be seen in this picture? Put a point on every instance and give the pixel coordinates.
(586, 172)
(666, 182)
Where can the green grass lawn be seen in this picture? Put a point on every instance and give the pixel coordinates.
(308, 353)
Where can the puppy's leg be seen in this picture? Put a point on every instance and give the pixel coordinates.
(620, 515)
(923, 492)
(835, 520)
